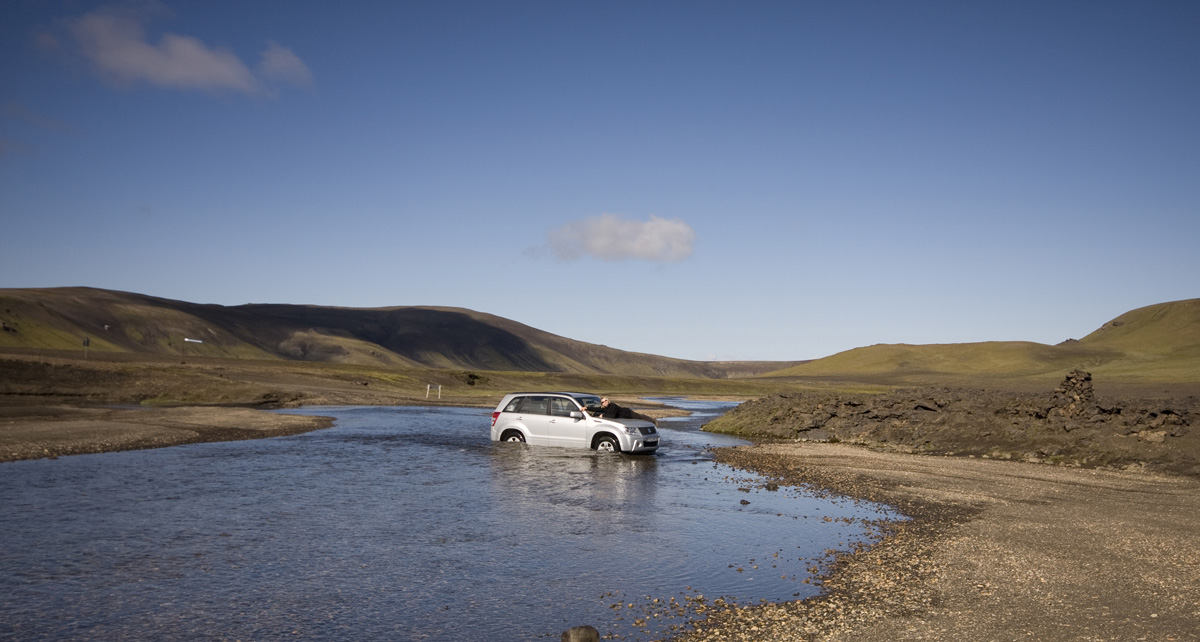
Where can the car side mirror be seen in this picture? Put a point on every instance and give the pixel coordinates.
(575, 414)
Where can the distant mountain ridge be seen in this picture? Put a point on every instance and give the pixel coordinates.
(403, 336)
(1155, 343)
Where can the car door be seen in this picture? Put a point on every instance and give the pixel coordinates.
(535, 415)
(565, 430)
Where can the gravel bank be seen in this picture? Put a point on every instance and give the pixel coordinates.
(52, 431)
(995, 550)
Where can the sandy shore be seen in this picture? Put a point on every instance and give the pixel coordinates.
(33, 432)
(994, 551)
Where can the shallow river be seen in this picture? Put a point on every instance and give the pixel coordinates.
(398, 524)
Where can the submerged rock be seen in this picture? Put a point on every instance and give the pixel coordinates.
(585, 633)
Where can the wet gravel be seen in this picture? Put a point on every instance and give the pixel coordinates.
(992, 550)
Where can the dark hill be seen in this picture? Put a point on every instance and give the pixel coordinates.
(434, 337)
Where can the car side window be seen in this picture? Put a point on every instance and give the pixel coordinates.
(514, 405)
(536, 406)
(560, 407)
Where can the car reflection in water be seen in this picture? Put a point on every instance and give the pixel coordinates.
(570, 483)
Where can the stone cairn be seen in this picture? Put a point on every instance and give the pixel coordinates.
(1074, 398)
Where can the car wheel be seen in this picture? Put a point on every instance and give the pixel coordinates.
(607, 444)
(513, 435)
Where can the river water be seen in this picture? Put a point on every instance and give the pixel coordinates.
(399, 524)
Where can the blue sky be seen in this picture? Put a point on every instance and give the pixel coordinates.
(703, 180)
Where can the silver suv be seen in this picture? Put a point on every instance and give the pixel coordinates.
(565, 419)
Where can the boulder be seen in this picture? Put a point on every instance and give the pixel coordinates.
(585, 633)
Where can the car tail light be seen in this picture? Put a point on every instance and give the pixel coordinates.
(495, 416)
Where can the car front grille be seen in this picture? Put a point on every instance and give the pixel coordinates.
(647, 431)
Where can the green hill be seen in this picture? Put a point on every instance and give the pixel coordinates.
(1160, 329)
(57, 319)
(1158, 343)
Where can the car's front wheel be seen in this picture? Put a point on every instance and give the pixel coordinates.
(513, 435)
(607, 444)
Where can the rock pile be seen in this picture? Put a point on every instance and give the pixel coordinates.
(1074, 398)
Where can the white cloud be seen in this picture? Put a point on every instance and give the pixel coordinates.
(115, 42)
(279, 63)
(611, 238)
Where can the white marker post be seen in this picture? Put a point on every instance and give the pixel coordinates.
(185, 342)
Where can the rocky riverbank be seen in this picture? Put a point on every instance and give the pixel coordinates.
(1069, 426)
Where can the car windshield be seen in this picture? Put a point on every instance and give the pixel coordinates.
(588, 401)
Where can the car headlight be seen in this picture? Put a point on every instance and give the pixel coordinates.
(630, 430)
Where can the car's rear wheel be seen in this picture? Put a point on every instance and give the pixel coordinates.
(607, 444)
(513, 435)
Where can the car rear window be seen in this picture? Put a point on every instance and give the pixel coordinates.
(536, 406)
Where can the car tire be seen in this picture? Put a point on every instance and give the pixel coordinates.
(513, 436)
(607, 444)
